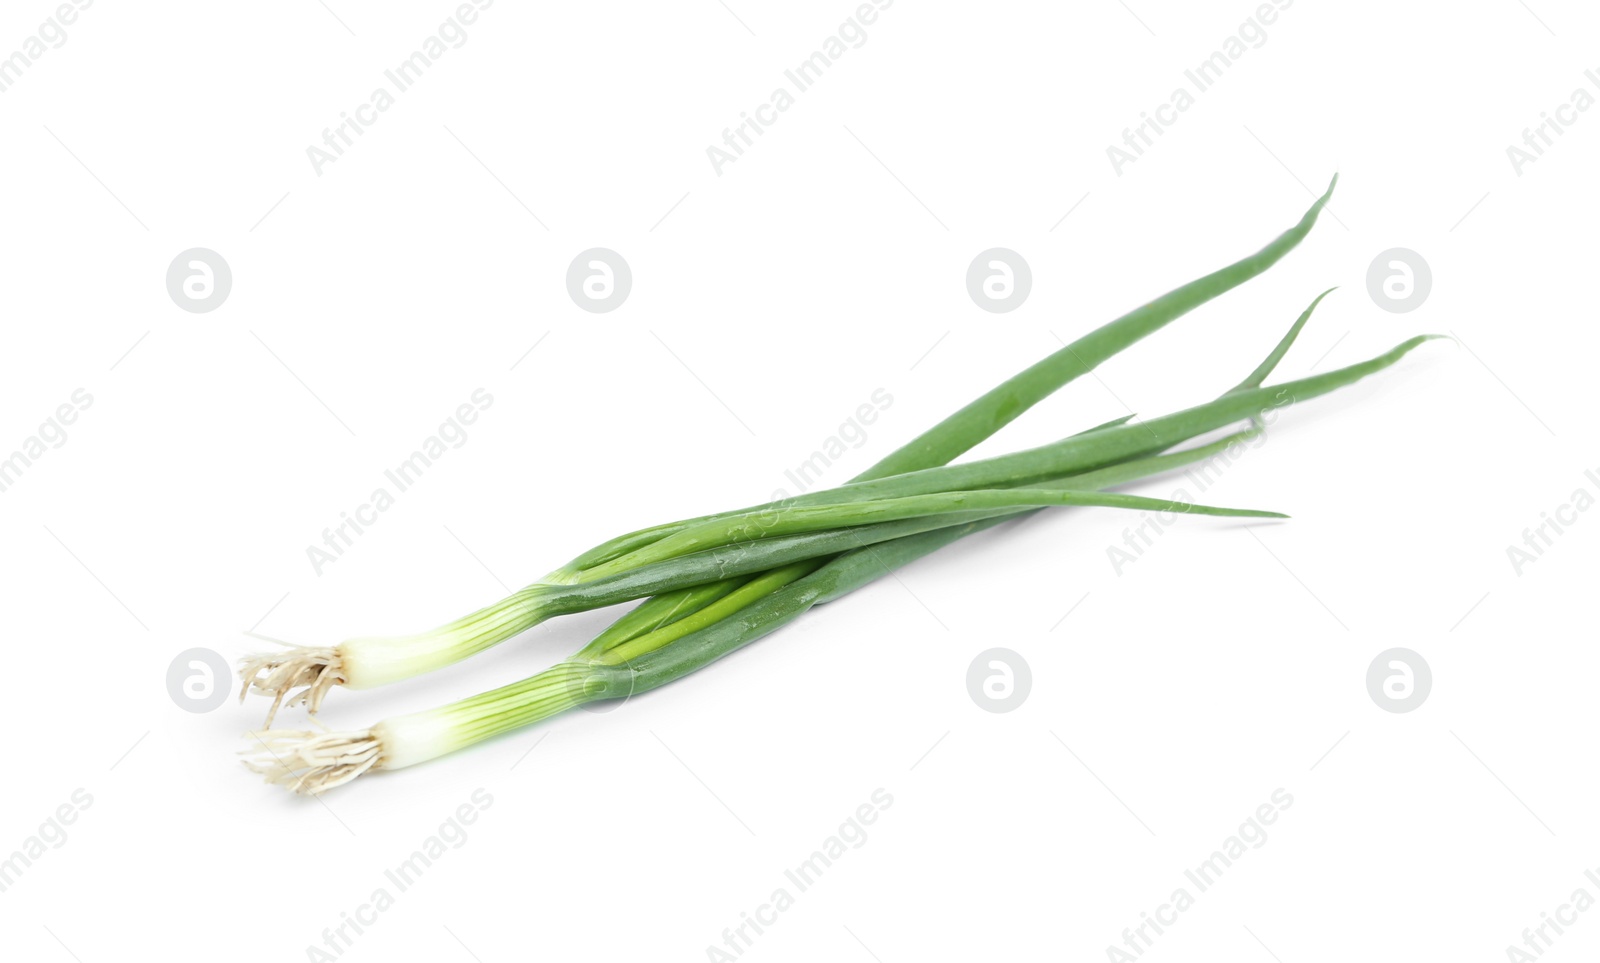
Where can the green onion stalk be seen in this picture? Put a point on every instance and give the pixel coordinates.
(621, 568)
(785, 557)
(640, 653)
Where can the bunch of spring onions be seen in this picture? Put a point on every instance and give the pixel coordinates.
(715, 583)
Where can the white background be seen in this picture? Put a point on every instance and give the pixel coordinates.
(768, 303)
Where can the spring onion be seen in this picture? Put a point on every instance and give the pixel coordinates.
(721, 581)
(305, 674)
